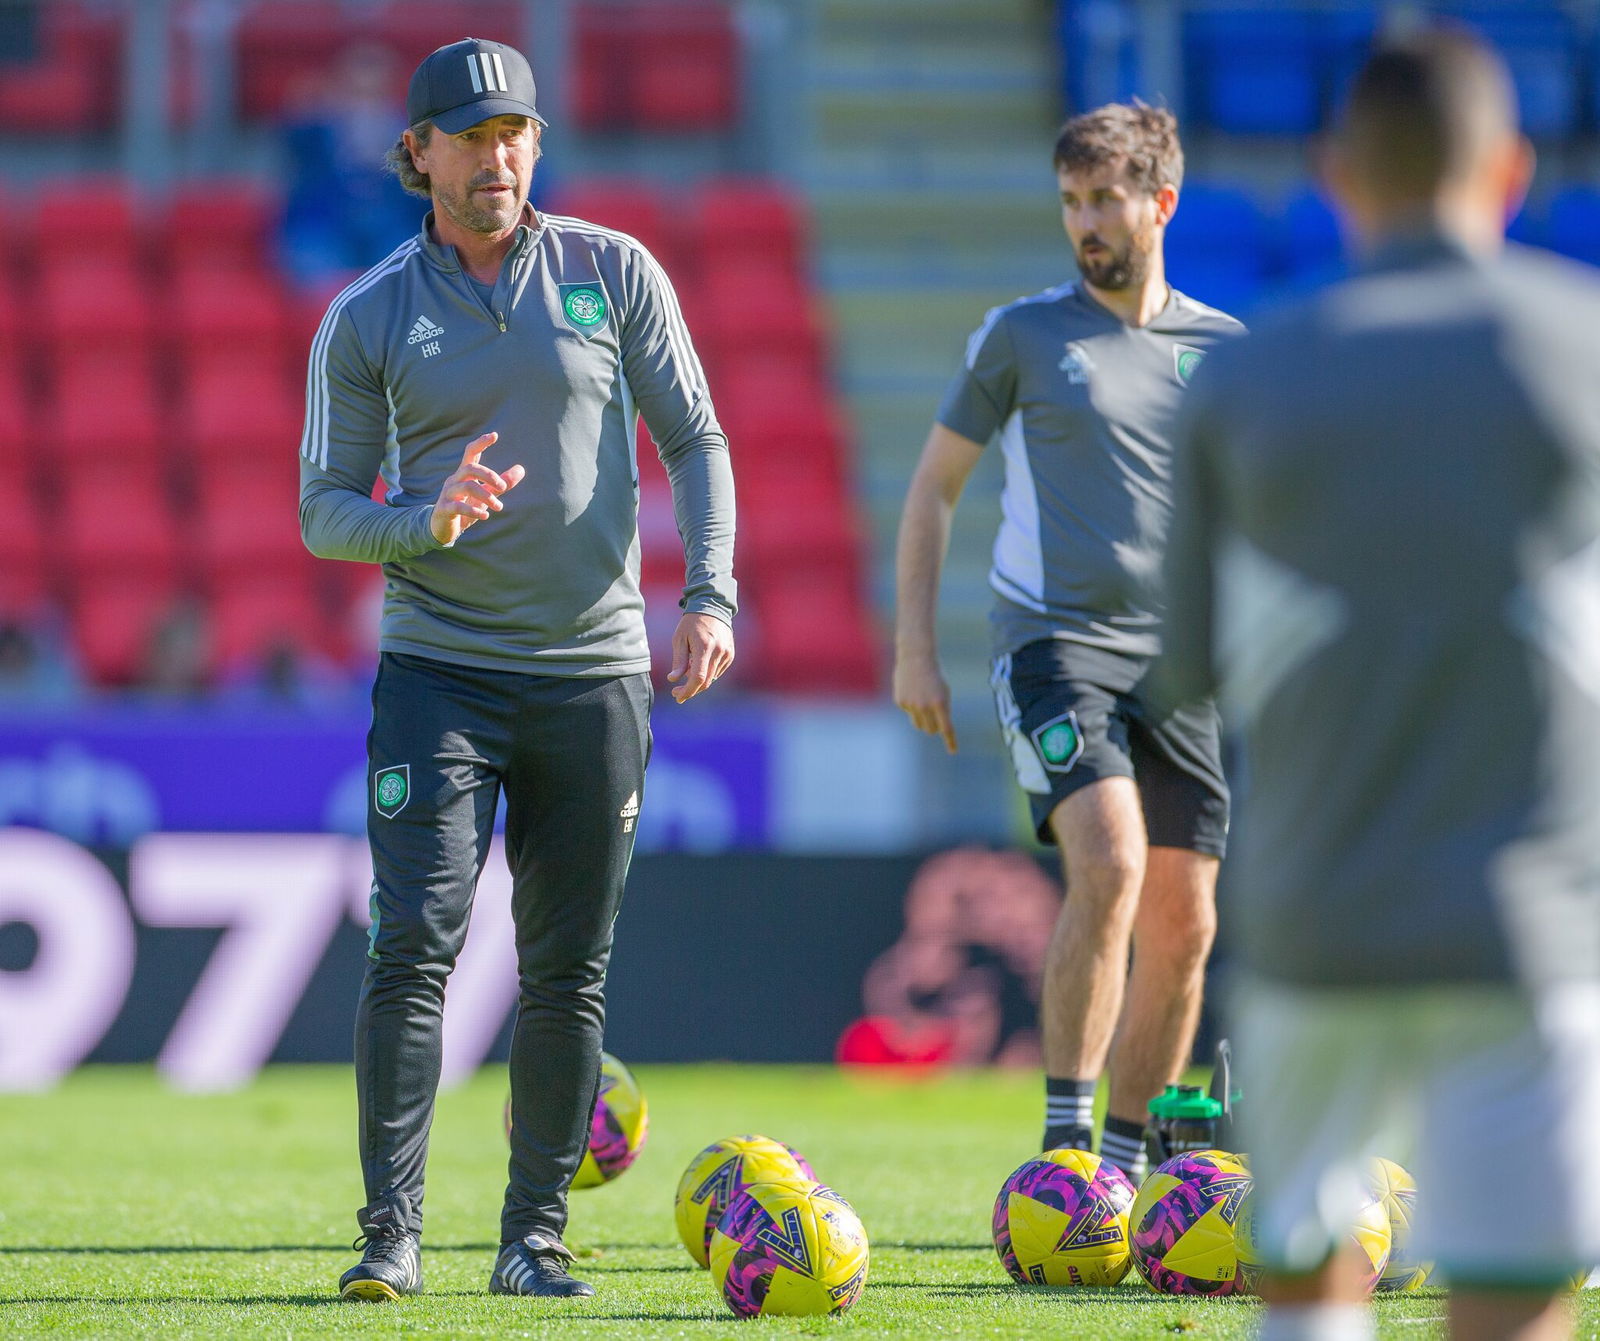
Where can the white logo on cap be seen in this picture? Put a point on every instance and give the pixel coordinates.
(488, 74)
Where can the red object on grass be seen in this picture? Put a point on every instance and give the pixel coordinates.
(883, 1041)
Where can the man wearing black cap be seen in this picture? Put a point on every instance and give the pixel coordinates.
(490, 371)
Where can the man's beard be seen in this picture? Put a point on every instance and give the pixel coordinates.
(1116, 270)
(477, 216)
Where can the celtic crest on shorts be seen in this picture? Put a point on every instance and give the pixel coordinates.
(391, 789)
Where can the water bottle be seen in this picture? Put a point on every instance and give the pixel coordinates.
(1183, 1118)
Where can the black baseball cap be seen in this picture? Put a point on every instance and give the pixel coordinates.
(469, 81)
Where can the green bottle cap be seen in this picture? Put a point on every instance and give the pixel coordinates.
(1185, 1101)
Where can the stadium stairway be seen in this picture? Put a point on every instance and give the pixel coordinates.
(933, 199)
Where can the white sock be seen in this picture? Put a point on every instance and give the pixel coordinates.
(1318, 1322)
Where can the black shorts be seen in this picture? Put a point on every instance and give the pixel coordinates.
(1072, 714)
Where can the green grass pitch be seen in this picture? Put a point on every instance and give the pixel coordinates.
(127, 1210)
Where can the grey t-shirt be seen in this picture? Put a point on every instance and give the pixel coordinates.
(581, 333)
(1084, 406)
(1386, 552)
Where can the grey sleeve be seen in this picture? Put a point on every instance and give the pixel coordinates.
(1186, 670)
(670, 389)
(341, 450)
(983, 394)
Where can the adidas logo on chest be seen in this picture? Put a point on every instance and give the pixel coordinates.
(425, 333)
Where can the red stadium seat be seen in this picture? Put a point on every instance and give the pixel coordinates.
(219, 222)
(804, 523)
(769, 398)
(632, 207)
(808, 448)
(245, 524)
(814, 637)
(283, 49)
(16, 419)
(249, 618)
(746, 312)
(413, 28)
(12, 290)
(238, 312)
(94, 306)
(288, 48)
(234, 411)
(660, 546)
(117, 525)
(104, 206)
(81, 370)
(737, 353)
(751, 219)
(76, 83)
(669, 68)
(23, 585)
(114, 624)
(105, 413)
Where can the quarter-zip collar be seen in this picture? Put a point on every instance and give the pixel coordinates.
(515, 266)
(444, 258)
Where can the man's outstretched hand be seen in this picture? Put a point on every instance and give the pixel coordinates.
(472, 492)
(702, 648)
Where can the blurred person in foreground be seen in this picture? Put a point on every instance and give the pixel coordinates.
(1082, 383)
(490, 370)
(1386, 555)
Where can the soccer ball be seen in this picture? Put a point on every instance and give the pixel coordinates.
(789, 1248)
(1062, 1219)
(1370, 1234)
(618, 1128)
(722, 1170)
(1396, 1191)
(1182, 1224)
(1373, 1238)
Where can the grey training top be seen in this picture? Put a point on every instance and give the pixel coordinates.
(411, 363)
(1084, 405)
(1387, 552)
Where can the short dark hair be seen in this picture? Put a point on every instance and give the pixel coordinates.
(1142, 138)
(399, 161)
(1423, 108)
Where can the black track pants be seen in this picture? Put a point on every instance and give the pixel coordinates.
(570, 754)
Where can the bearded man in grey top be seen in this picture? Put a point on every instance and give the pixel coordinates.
(1386, 552)
(491, 371)
(1082, 384)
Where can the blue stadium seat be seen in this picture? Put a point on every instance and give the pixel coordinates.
(1099, 53)
(1311, 244)
(1217, 247)
(1252, 71)
(1540, 44)
(1573, 225)
(1529, 227)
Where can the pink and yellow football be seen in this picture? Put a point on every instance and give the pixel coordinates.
(1182, 1225)
(719, 1173)
(1062, 1219)
(1396, 1190)
(618, 1129)
(1370, 1237)
(789, 1249)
